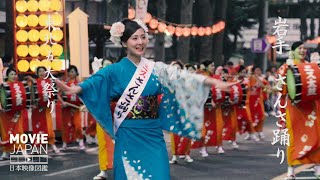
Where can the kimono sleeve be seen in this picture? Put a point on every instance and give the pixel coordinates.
(182, 106)
(95, 95)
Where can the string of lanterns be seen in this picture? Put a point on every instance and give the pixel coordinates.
(178, 29)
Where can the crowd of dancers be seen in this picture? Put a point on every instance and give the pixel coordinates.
(242, 110)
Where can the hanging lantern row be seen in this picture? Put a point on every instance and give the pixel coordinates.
(178, 30)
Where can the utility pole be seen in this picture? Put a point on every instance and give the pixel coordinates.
(263, 19)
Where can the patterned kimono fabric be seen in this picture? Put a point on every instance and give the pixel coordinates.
(10, 125)
(244, 116)
(212, 124)
(72, 126)
(256, 104)
(302, 121)
(42, 122)
(140, 150)
(229, 115)
(91, 128)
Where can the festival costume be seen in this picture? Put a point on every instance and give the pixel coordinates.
(140, 150)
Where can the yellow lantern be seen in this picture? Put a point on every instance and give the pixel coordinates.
(57, 50)
(22, 36)
(33, 6)
(34, 64)
(46, 63)
(57, 35)
(56, 19)
(57, 65)
(44, 5)
(23, 65)
(22, 50)
(43, 20)
(33, 35)
(45, 50)
(22, 20)
(33, 20)
(44, 35)
(21, 6)
(55, 5)
(34, 50)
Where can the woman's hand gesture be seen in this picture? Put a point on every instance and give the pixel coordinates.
(66, 89)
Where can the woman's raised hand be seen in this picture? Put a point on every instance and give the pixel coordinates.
(66, 89)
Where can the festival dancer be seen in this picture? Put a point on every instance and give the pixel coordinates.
(140, 149)
(243, 111)
(180, 146)
(10, 122)
(257, 86)
(41, 116)
(72, 126)
(213, 122)
(300, 123)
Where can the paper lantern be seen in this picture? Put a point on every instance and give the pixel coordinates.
(56, 19)
(21, 6)
(186, 31)
(147, 18)
(34, 64)
(208, 31)
(33, 35)
(223, 24)
(201, 31)
(153, 23)
(22, 20)
(22, 36)
(214, 29)
(22, 50)
(57, 49)
(131, 13)
(57, 65)
(43, 20)
(55, 5)
(34, 50)
(162, 27)
(33, 6)
(46, 63)
(33, 20)
(45, 50)
(57, 35)
(171, 29)
(178, 31)
(44, 35)
(194, 31)
(23, 65)
(44, 5)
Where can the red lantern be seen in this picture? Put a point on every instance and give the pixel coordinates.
(153, 23)
(171, 29)
(162, 27)
(208, 31)
(201, 31)
(131, 13)
(147, 18)
(194, 31)
(186, 31)
(179, 31)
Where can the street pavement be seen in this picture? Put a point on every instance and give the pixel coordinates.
(252, 161)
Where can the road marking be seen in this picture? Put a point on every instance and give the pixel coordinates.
(70, 170)
(4, 163)
(306, 178)
(297, 170)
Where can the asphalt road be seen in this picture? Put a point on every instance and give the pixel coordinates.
(253, 161)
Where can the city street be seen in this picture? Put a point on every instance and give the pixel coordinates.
(253, 161)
